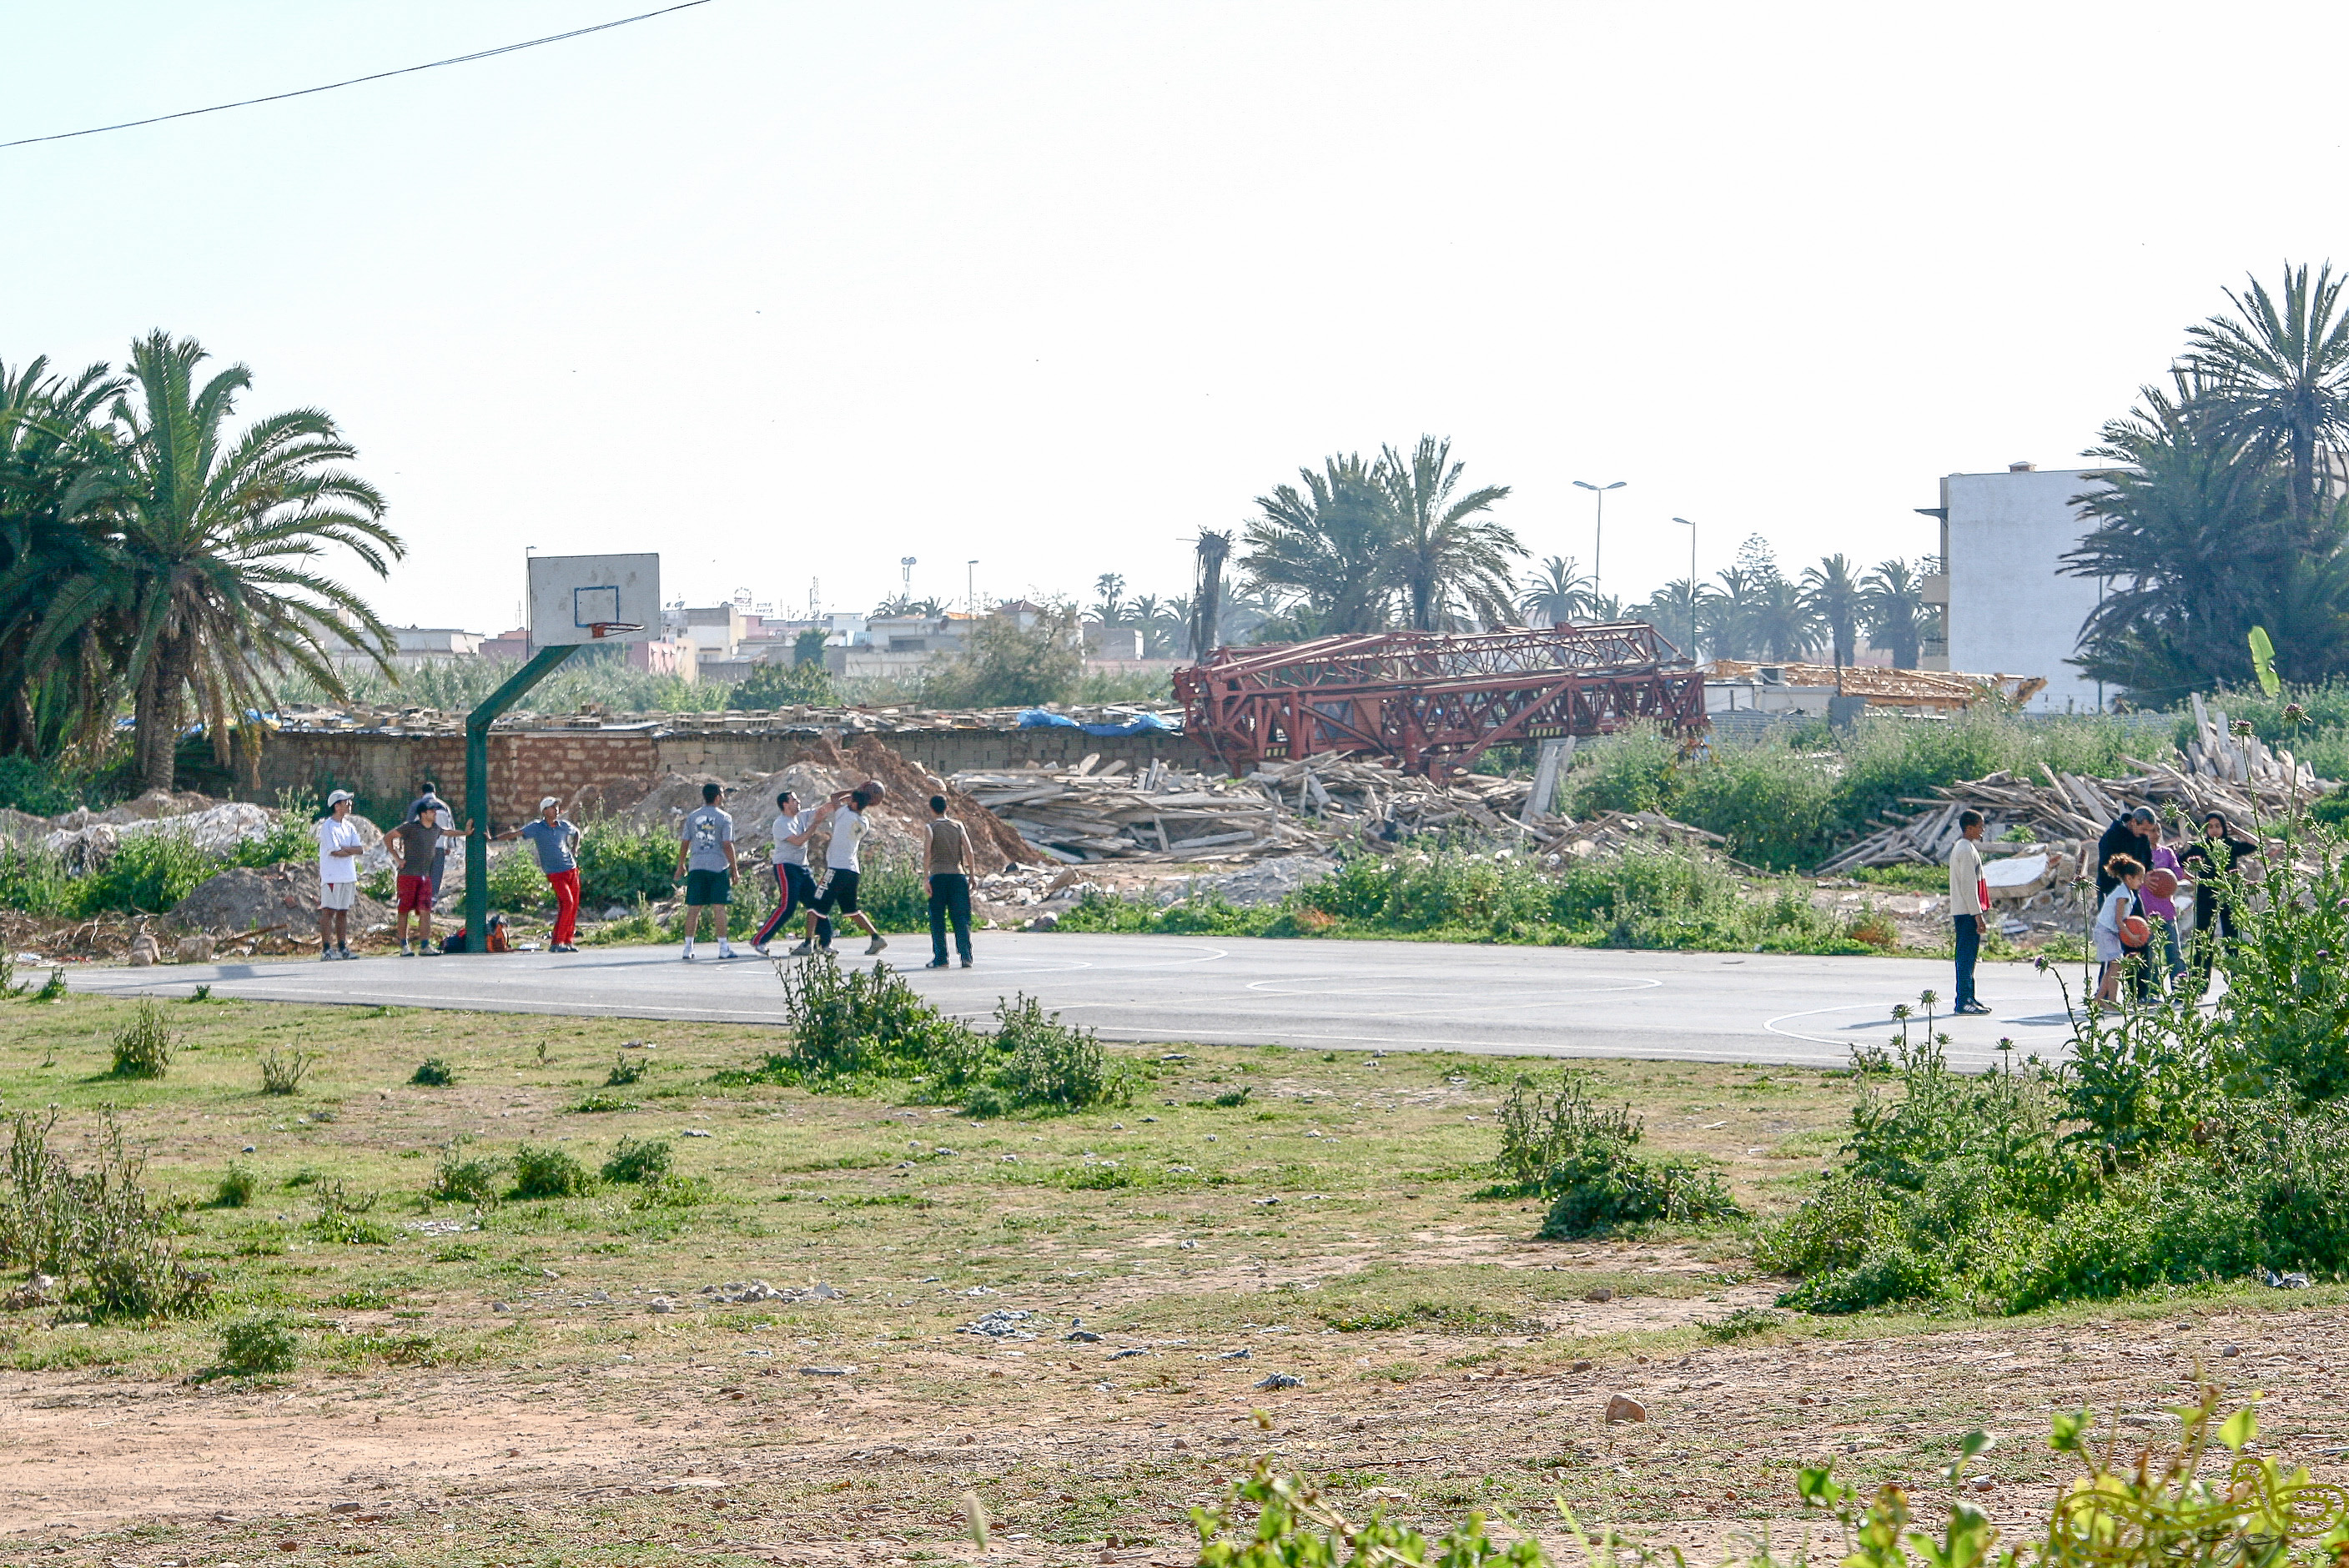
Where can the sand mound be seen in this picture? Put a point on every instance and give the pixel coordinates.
(282, 898)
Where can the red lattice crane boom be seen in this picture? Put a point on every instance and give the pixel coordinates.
(1435, 701)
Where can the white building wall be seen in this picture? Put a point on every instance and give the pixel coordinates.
(2012, 609)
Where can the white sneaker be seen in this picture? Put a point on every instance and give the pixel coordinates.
(325, 955)
(878, 943)
(725, 951)
(688, 955)
(801, 951)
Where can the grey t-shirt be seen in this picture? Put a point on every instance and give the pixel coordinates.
(553, 842)
(708, 831)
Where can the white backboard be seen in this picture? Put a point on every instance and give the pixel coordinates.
(571, 595)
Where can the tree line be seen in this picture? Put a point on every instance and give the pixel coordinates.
(152, 553)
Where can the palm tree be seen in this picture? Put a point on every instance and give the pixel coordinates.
(1448, 561)
(1784, 626)
(1557, 593)
(1833, 594)
(1150, 613)
(1606, 607)
(2278, 372)
(1324, 547)
(1110, 609)
(218, 535)
(1727, 617)
(1678, 610)
(61, 583)
(1897, 612)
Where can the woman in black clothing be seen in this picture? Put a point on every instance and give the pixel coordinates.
(2221, 851)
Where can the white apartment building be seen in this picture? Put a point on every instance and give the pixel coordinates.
(2008, 606)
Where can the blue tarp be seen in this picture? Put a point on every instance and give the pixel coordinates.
(1140, 724)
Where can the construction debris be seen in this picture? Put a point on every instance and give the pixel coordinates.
(1924, 691)
(848, 722)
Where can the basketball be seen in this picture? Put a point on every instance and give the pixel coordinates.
(2135, 932)
(2160, 881)
(873, 788)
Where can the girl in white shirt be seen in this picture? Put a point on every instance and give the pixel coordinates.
(2113, 946)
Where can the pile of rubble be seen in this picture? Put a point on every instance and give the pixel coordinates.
(2064, 814)
(388, 719)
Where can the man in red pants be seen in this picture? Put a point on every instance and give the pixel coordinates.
(556, 840)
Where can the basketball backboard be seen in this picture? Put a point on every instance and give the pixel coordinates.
(593, 598)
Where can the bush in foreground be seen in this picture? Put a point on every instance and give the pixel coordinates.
(542, 1173)
(1585, 1159)
(93, 1229)
(142, 1047)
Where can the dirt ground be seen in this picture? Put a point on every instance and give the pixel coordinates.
(547, 1381)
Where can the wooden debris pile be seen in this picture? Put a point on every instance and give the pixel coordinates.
(2068, 814)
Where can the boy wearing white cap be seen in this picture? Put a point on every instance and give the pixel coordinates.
(339, 848)
(556, 840)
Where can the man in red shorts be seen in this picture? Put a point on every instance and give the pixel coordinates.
(416, 841)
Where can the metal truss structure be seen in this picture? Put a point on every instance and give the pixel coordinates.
(1434, 701)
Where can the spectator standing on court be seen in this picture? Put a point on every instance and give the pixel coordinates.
(2134, 834)
(949, 869)
(794, 885)
(2163, 875)
(555, 838)
(339, 848)
(845, 812)
(419, 843)
(705, 858)
(2215, 860)
(1969, 904)
(432, 798)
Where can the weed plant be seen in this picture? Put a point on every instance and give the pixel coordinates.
(638, 1160)
(433, 1072)
(281, 1072)
(627, 1070)
(258, 1346)
(625, 863)
(1044, 1065)
(1585, 1159)
(544, 1172)
(456, 1180)
(236, 1188)
(94, 1229)
(142, 1047)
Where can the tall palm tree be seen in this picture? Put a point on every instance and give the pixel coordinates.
(1727, 616)
(1110, 608)
(220, 535)
(1832, 592)
(1784, 626)
(1679, 610)
(1448, 561)
(61, 583)
(1324, 547)
(2278, 370)
(1555, 594)
(1898, 616)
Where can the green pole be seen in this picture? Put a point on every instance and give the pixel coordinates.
(477, 784)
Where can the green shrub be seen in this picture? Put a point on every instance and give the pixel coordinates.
(147, 873)
(254, 1347)
(94, 1228)
(1630, 772)
(142, 1047)
(433, 1072)
(459, 1181)
(343, 1216)
(625, 863)
(852, 1023)
(29, 785)
(1585, 1159)
(282, 1073)
(236, 1188)
(1775, 805)
(600, 1104)
(1043, 1065)
(516, 883)
(34, 881)
(774, 683)
(540, 1172)
(52, 988)
(627, 1070)
(673, 1190)
(636, 1161)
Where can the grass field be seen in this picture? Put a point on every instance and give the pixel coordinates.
(525, 1380)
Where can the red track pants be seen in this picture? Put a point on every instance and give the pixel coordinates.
(566, 904)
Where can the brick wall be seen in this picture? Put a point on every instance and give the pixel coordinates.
(596, 771)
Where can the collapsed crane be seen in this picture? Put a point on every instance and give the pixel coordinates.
(1434, 701)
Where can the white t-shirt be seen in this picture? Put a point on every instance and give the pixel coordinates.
(333, 836)
(787, 823)
(847, 829)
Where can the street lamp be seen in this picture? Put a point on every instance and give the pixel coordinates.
(1599, 529)
(1692, 586)
(970, 588)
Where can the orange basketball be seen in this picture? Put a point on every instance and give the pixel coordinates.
(2160, 881)
(2135, 932)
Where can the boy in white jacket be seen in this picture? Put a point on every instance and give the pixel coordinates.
(1969, 905)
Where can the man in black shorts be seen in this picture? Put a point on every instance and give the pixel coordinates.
(845, 812)
(705, 858)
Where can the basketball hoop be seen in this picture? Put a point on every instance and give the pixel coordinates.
(598, 630)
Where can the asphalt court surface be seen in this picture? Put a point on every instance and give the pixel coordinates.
(1323, 995)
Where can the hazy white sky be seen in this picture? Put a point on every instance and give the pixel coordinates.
(789, 291)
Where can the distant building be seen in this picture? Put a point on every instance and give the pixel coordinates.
(1115, 643)
(412, 646)
(715, 630)
(2007, 604)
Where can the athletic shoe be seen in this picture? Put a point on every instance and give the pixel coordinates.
(406, 951)
(801, 951)
(687, 956)
(935, 963)
(726, 951)
(345, 953)
(966, 962)
(761, 951)
(563, 947)
(325, 955)
(878, 943)
(1975, 1008)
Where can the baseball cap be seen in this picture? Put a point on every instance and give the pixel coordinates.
(548, 800)
(339, 796)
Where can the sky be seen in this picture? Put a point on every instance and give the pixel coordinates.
(787, 292)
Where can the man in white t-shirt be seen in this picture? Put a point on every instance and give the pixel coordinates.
(794, 885)
(339, 848)
(845, 812)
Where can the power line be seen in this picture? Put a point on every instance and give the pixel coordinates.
(355, 81)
